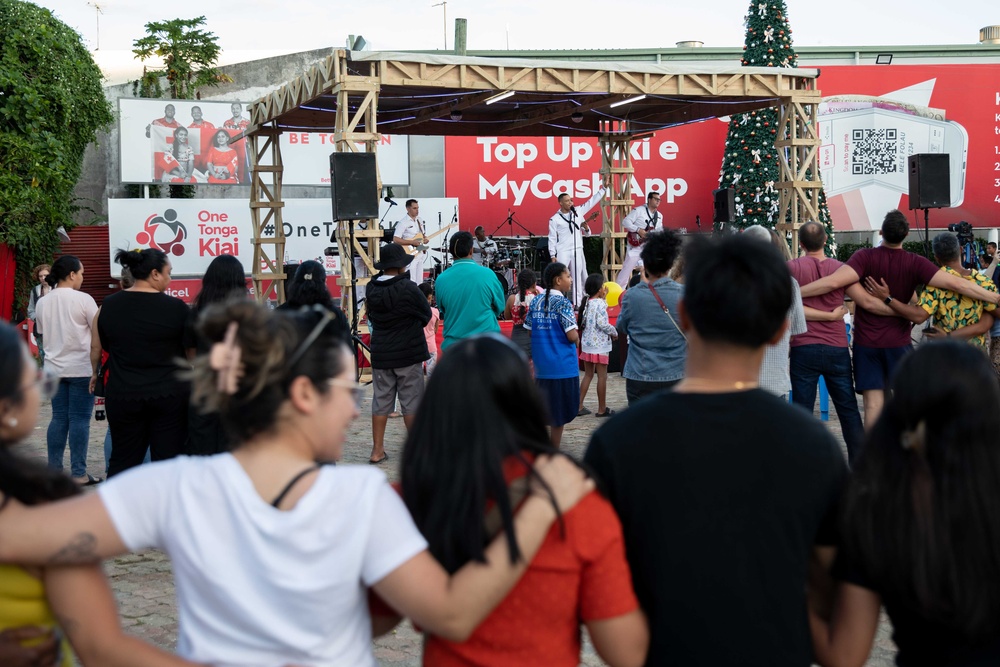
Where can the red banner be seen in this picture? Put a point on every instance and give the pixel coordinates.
(877, 117)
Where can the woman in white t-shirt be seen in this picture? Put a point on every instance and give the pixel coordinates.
(65, 315)
(273, 551)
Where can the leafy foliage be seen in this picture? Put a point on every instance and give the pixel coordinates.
(189, 54)
(750, 162)
(51, 106)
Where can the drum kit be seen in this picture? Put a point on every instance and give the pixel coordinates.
(512, 255)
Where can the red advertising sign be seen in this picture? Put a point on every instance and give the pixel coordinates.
(872, 120)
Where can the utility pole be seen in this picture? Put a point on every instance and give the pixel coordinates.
(98, 10)
(444, 7)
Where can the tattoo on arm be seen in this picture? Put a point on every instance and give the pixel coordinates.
(80, 549)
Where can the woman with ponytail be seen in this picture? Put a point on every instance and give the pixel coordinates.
(142, 329)
(554, 335)
(33, 598)
(921, 521)
(273, 548)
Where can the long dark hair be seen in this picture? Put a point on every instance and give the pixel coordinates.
(595, 281)
(526, 279)
(551, 272)
(480, 409)
(223, 279)
(308, 286)
(26, 481)
(922, 512)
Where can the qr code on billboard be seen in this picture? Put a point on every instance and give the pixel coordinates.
(874, 152)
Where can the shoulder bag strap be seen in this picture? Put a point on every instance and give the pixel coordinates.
(666, 311)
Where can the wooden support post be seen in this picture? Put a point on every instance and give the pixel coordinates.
(353, 127)
(615, 142)
(266, 171)
(798, 154)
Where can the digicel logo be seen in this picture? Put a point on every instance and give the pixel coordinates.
(163, 232)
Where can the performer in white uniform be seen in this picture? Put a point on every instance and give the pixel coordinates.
(483, 249)
(566, 231)
(410, 231)
(640, 222)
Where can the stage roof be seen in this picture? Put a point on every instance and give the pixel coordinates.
(440, 94)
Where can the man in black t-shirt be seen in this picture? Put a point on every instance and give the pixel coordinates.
(723, 489)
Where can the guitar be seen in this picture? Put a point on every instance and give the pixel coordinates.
(634, 239)
(413, 249)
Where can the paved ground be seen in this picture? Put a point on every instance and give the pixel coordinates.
(143, 582)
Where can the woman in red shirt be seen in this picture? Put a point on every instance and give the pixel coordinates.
(464, 472)
(222, 161)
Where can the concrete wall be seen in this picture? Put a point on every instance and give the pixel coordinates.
(251, 80)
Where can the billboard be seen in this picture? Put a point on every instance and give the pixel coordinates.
(873, 118)
(195, 231)
(189, 141)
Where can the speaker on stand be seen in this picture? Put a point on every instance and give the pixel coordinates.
(725, 208)
(930, 186)
(354, 194)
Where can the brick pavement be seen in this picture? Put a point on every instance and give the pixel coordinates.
(143, 582)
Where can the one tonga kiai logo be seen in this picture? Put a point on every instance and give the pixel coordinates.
(163, 232)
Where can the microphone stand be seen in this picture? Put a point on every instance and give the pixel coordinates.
(510, 221)
(391, 204)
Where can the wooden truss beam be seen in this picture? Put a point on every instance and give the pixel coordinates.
(615, 143)
(798, 157)
(266, 171)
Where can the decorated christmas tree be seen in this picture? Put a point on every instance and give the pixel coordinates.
(750, 162)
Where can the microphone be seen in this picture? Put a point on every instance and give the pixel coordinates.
(573, 209)
(389, 201)
(697, 221)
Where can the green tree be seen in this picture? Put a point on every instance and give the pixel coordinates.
(52, 105)
(189, 54)
(750, 163)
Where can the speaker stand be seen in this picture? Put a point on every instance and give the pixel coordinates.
(927, 236)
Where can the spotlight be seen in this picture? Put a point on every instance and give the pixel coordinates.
(456, 114)
(577, 117)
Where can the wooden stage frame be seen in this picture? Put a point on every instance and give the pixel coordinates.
(355, 93)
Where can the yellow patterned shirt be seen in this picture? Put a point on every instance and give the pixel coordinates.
(951, 310)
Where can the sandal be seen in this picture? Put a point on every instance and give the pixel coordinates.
(607, 413)
(381, 460)
(91, 480)
(582, 412)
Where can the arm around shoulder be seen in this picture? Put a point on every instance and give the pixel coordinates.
(842, 277)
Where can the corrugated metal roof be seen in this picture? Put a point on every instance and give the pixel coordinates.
(90, 244)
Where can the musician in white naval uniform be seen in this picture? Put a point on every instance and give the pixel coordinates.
(566, 231)
(641, 221)
(411, 231)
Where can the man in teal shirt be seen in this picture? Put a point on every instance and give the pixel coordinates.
(469, 296)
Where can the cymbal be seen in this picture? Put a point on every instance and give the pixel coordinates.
(440, 249)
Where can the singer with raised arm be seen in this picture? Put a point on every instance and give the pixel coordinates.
(640, 222)
(412, 235)
(566, 231)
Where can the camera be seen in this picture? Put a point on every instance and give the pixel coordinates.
(963, 230)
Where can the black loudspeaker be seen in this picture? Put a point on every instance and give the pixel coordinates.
(353, 186)
(930, 180)
(725, 205)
